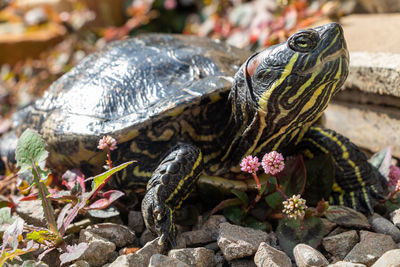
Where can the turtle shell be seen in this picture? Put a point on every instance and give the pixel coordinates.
(125, 86)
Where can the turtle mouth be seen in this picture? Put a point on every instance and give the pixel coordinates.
(342, 54)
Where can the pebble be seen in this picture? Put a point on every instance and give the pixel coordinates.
(146, 237)
(306, 256)
(150, 249)
(329, 226)
(129, 260)
(99, 249)
(346, 264)
(199, 257)
(341, 244)
(158, 260)
(389, 258)
(242, 263)
(32, 212)
(212, 225)
(219, 259)
(370, 248)
(119, 234)
(395, 217)
(384, 226)
(238, 242)
(337, 230)
(269, 256)
(80, 263)
(212, 246)
(195, 238)
(136, 222)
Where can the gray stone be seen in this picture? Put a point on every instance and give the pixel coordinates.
(212, 246)
(195, 238)
(376, 73)
(238, 242)
(329, 226)
(219, 259)
(129, 260)
(371, 247)
(119, 234)
(242, 263)
(199, 257)
(76, 227)
(341, 244)
(384, 226)
(114, 255)
(306, 256)
(158, 260)
(146, 237)
(99, 249)
(32, 212)
(151, 248)
(337, 230)
(80, 263)
(135, 221)
(389, 258)
(271, 257)
(212, 225)
(395, 217)
(346, 264)
(28, 263)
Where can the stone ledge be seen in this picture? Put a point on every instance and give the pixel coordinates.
(373, 128)
(374, 73)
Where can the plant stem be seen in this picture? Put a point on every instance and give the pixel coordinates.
(108, 178)
(47, 207)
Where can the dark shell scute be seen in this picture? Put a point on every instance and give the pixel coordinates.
(140, 77)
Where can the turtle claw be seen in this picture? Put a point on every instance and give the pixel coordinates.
(159, 219)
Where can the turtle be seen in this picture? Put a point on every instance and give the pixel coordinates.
(182, 106)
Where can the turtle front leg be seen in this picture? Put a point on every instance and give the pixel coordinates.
(171, 183)
(357, 183)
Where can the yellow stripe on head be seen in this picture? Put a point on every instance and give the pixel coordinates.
(264, 99)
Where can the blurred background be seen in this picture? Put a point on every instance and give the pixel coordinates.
(42, 39)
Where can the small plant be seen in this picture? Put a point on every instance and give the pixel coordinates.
(31, 156)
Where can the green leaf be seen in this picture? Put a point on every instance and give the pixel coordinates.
(101, 178)
(392, 204)
(382, 161)
(292, 232)
(31, 149)
(41, 236)
(293, 177)
(235, 214)
(320, 178)
(252, 222)
(347, 217)
(225, 204)
(274, 200)
(10, 255)
(242, 196)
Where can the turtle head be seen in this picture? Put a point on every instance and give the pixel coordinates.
(295, 80)
(158, 218)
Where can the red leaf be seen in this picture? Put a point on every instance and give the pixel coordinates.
(108, 198)
(71, 177)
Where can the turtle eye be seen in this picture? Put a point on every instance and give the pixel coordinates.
(304, 41)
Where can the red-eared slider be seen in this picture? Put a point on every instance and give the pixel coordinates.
(175, 104)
